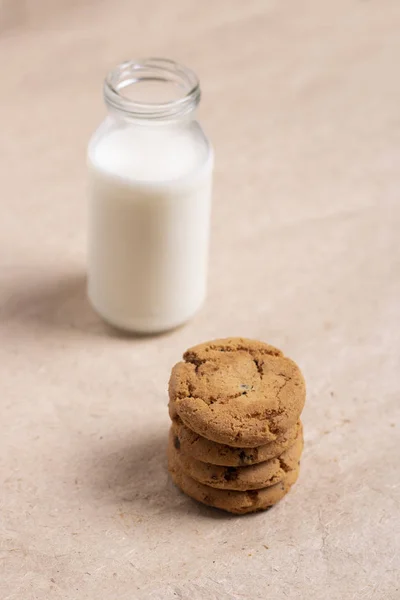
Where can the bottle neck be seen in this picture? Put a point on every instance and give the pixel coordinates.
(152, 90)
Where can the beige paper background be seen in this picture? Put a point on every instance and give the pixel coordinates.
(302, 102)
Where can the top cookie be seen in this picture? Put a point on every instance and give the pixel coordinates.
(237, 391)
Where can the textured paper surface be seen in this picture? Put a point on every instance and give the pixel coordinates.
(301, 100)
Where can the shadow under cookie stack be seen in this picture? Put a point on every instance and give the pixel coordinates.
(236, 437)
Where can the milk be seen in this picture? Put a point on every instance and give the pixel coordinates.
(150, 199)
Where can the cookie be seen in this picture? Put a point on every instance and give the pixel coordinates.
(231, 501)
(238, 392)
(252, 477)
(199, 447)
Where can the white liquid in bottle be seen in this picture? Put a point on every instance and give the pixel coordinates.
(150, 199)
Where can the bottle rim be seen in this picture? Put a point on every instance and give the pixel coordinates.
(160, 70)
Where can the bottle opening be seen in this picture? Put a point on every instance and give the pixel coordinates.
(152, 88)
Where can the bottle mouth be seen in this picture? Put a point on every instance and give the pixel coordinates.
(152, 89)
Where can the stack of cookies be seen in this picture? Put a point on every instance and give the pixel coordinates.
(236, 438)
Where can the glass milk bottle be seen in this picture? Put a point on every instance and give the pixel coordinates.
(150, 168)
